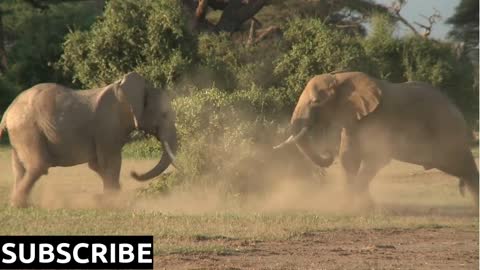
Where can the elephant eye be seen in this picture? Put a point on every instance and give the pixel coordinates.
(164, 115)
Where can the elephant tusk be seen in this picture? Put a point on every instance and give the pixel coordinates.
(169, 151)
(171, 155)
(292, 138)
(300, 134)
(287, 141)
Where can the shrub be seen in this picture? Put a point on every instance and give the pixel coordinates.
(315, 48)
(230, 64)
(142, 147)
(226, 141)
(150, 37)
(384, 50)
(35, 37)
(214, 128)
(7, 94)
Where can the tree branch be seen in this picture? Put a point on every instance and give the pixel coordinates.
(432, 19)
(395, 10)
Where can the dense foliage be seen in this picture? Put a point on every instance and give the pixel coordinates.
(147, 36)
(324, 50)
(33, 39)
(465, 23)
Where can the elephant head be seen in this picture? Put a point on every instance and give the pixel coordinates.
(152, 113)
(331, 102)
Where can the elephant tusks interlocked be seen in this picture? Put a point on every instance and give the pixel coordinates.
(292, 138)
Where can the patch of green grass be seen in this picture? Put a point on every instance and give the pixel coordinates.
(147, 148)
(475, 151)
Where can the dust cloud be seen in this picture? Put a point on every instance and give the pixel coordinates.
(400, 189)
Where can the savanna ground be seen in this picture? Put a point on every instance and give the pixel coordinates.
(420, 222)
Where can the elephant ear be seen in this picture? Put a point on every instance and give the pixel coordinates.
(360, 94)
(131, 90)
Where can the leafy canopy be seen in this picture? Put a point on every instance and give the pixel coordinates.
(465, 23)
(150, 37)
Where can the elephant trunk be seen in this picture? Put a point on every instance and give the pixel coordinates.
(169, 150)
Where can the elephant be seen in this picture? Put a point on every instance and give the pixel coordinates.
(376, 121)
(50, 125)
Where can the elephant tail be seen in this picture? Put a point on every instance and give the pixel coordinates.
(3, 124)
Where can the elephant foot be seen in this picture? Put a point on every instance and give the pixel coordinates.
(109, 200)
(364, 203)
(461, 187)
(360, 201)
(19, 202)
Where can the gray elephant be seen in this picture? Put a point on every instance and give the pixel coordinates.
(50, 125)
(376, 121)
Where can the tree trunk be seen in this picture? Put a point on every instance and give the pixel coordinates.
(237, 12)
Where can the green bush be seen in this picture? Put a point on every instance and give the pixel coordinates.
(36, 38)
(7, 94)
(226, 140)
(384, 50)
(214, 129)
(229, 64)
(142, 147)
(150, 37)
(315, 48)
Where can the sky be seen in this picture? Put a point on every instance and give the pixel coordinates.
(415, 8)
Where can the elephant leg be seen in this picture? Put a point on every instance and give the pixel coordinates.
(17, 168)
(471, 177)
(350, 160)
(464, 167)
(29, 166)
(461, 186)
(23, 189)
(108, 167)
(360, 186)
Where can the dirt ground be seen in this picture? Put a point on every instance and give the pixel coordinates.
(442, 248)
(389, 248)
